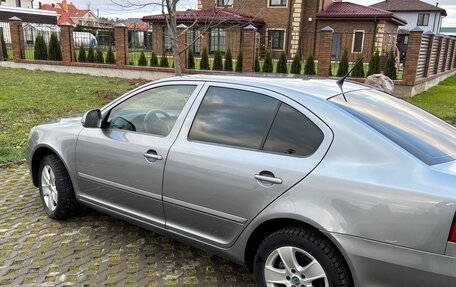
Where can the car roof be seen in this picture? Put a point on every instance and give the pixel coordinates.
(318, 87)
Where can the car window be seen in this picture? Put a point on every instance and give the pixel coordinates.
(426, 137)
(233, 117)
(153, 111)
(293, 133)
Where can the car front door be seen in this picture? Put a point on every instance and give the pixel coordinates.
(120, 166)
(239, 149)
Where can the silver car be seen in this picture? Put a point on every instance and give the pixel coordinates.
(303, 183)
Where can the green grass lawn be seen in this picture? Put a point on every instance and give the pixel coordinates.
(440, 100)
(28, 98)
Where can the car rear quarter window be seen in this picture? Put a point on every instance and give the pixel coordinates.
(293, 133)
(233, 117)
(423, 135)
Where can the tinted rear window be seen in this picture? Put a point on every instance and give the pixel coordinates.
(426, 137)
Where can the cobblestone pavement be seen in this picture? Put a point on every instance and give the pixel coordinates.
(94, 249)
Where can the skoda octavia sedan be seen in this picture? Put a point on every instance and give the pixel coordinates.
(306, 183)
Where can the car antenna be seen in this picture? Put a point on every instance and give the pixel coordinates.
(340, 82)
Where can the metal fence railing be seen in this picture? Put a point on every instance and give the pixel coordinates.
(139, 42)
(6, 36)
(34, 35)
(94, 45)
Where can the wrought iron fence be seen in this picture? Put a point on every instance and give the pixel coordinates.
(5, 37)
(139, 46)
(94, 45)
(37, 38)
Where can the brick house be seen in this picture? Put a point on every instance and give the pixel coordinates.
(69, 13)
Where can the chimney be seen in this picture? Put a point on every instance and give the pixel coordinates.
(437, 4)
(53, 5)
(39, 5)
(65, 5)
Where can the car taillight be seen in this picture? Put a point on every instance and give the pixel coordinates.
(452, 237)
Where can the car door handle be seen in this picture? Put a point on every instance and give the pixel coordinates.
(270, 179)
(152, 155)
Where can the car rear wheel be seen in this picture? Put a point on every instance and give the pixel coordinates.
(56, 189)
(299, 257)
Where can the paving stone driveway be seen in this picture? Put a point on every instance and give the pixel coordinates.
(94, 249)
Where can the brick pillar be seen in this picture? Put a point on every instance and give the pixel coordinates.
(248, 49)
(17, 38)
(121, 38)
(67, 43)
(427, 67)
(324, 51)
(157, 39)
(182, 43)
(1, 47)
(439, 53)
(452, 55)
(413, 52)
(445, 57)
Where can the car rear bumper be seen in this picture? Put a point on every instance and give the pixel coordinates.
(379, 264)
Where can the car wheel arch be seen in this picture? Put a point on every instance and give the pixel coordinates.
(38, 156)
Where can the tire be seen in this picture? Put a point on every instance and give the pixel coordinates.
(304, 246)
(56, 189)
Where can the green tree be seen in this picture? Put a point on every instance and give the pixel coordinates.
(239, 61)
(40, 52)
(110, 58)
(296, 64)
(257, 64)
(91, 54)
(309, 67)
(204, 64)
(55, 52)
(82, 57)
(374, 64)
(164, 61)
(217, 65)
(142, 60)
(4, 49)
(390, 69)
(282, 67)
(358, 71)
(228, 61)
(343, 64)
(99, 58)
(190, 59)
(154, 60)
(267, 65)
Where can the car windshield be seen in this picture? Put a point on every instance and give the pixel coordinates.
(426, 137)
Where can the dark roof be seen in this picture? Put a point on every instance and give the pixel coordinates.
(208, 15)
(352, 11)
(408, 6)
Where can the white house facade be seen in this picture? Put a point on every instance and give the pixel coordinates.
(17, 3)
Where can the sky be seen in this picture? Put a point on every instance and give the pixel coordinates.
(108, 9)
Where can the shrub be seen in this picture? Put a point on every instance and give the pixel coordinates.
(390, 69)
(267, 65)
(190, 59)
(4, 49)
(358, 71)
(110, 58)
(99, 58)
(228, 61)
(204, 64)
(309, 67)
(40, 52)
(91, 54)
(142, 61)
(82, 57)
(330, 72)
(257, 64)
(55, 52)
(239, 61)
(343, 64)
(374, 65)
(164, 61)
(296, 64)
(282, 67)
(217, 65)
(154, 60)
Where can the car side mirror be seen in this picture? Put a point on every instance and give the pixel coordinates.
(92, 119)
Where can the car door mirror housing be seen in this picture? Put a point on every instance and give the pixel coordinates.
(92, 119)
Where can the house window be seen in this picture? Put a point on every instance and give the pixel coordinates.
(277, 2)
(193, 36)
(218, 40)
(358, 39)
(423, 19)
(406, 38)
(276, 39)
(18, 3)
(167, 47)
(224, 3)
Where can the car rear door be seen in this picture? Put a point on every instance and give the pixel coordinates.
(120, 167)
(234, 156)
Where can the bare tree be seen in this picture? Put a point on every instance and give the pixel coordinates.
(169, 9)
